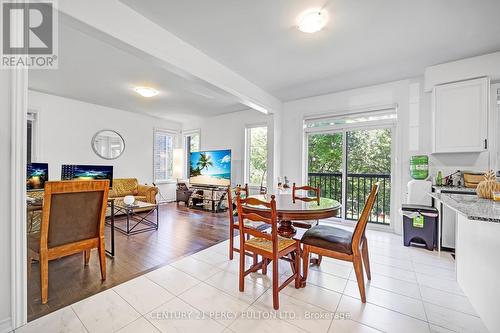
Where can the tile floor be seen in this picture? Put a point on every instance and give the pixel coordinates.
(412, 290)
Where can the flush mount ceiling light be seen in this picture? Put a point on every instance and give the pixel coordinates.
(312, 21)
(146, 91)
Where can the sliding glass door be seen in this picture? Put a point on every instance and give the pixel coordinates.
(368, 162)
(326, 163)
(345, 163)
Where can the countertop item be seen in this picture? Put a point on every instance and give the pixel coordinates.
(471, 179)
(471, 206)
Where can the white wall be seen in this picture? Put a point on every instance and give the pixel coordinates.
(66, 128)
(394, 93)
(421, 139)
(413, 131)
(5, 201)
(227, 131)
(484, 65)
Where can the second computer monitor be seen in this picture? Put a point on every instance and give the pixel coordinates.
(87, 172)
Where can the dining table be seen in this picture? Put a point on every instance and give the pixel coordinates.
(289, 210)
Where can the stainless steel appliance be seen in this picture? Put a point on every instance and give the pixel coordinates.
(447, 217)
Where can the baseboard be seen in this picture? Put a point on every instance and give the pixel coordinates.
(6, 325)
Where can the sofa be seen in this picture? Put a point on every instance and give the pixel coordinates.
(130, 186)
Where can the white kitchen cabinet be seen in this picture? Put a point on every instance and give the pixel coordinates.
(460, 116)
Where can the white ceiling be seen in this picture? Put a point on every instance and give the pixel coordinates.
(365, 42)
(95, 71)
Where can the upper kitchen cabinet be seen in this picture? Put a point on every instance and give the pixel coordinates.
(460, 116)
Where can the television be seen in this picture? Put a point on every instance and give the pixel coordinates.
(36, 176)
(210, 168)
(87, 172)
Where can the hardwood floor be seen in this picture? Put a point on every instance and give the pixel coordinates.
(182, 232)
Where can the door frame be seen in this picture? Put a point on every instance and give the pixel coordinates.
(344, 128)
(18, 283)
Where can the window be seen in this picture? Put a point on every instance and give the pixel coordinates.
(356, 118)
(191, 144)
(31, 136)
(163, 155)
(256, 156)
(346, 155)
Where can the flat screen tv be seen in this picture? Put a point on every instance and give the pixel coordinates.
(36, 176)
(211, 168)
(87, 172)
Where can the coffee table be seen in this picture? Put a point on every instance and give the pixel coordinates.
(138, 217)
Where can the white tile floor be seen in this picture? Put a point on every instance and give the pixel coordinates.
(412, 290)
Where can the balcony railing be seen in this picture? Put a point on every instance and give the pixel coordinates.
(358, 189)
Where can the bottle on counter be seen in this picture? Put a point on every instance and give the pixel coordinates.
(439, 179)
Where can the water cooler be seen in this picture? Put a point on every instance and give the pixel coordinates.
(419, 217)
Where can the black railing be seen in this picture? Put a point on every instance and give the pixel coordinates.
(358, 189)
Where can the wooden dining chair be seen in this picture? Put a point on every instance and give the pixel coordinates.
(234, 219)
(307, 198)
(270, 246)
(306, 224)
(243, 189)
(73, 219)
(342, 244)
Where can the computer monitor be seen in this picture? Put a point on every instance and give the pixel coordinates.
(87, 172)
(36, 176)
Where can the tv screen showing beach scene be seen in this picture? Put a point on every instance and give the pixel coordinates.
(210, 168)
(87, 172)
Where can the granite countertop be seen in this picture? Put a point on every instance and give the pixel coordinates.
(454, 189)
(471, 206)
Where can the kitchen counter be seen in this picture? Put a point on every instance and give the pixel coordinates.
(454, 189)
(477, 244)
(471, 206)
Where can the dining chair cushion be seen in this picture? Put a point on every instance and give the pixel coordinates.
(251, 224)
(330, 238)
(267, 245)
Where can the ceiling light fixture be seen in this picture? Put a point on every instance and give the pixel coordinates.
(312, 21)
(146, 91)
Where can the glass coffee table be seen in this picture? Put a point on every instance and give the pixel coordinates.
(139, 217)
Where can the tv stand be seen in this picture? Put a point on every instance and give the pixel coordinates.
(208, 198)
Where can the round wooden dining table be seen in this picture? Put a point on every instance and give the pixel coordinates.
(289, 210)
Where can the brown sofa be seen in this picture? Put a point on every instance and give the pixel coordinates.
(130, 186)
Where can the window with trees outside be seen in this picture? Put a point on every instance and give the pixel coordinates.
(191, 144)
(347, 155)
(256, 156)
(163, 155)
(31, 137)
